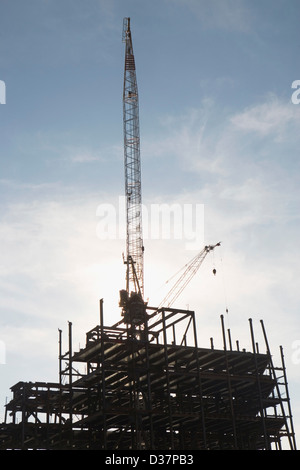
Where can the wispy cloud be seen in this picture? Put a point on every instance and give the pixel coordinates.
(210, 141)
(244, 174)
(228, 15)
(188, 140)
(84, 156)
(269, 118)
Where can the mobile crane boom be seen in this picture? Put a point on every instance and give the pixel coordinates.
(132, 165)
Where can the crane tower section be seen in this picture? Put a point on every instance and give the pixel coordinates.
(132, 166)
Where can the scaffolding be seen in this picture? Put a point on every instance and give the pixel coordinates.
(149, 386)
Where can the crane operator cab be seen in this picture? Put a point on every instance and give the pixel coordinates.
(133, 307)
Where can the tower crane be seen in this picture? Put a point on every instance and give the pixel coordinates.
(134, 258)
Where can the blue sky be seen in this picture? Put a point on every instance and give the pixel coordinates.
(218, 127)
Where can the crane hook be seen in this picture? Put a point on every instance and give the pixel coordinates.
(214, 271)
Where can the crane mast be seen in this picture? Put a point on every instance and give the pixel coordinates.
(132, 165)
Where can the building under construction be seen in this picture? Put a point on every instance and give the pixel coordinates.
(148, 385)
(144, 383)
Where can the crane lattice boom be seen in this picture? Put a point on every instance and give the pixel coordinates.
(190, 270)
(132, 164)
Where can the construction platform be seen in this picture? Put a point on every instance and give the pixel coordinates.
(149, 386)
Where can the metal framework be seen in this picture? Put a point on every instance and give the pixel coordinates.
(154, 388)
(132, 164)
